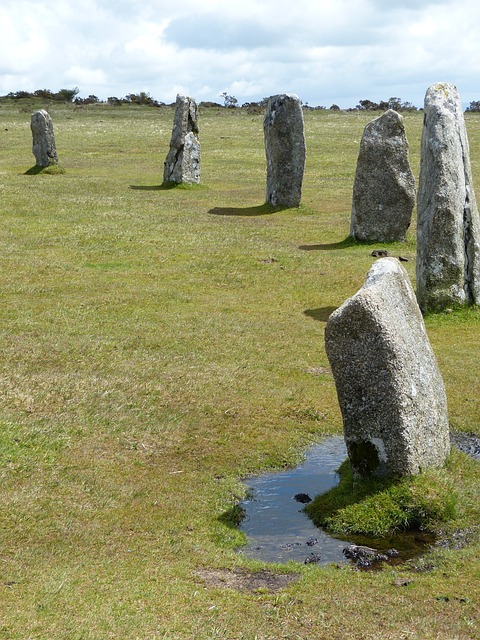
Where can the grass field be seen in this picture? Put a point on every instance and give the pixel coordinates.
(157, 345)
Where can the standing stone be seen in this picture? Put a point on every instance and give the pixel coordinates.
(183, 159)
(384, 187)
(285, 150)
(44, 148)
(389, 387)
(448, 227)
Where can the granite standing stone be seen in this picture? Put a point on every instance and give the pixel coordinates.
(389, 387)
(285, 150)
(448, 227)
(44, 148)
(183, 159)
(384, 186)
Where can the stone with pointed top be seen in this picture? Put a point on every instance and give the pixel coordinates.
(183, 159)
(384, 186)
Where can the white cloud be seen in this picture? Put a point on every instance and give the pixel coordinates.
(324, 50)
(85, 76)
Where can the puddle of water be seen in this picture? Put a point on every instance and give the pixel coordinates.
(276, 527)
(279, 531)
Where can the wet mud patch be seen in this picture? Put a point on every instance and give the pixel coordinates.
(459, 539)
(243, 580)
(466, 442)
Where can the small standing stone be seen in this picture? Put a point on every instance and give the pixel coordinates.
(389, 387)
(285, 150)
(183, 159)
(448, 227)
(44, 148)
(384, 187)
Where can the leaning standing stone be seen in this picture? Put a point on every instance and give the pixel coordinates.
(384, 187)
(448, 227)
(389, 387)
(285, 150)
(183, 160)
(44, 148)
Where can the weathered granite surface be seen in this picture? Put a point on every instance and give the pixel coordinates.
(389, 387)
(183, 159)
(285, 150)
(384, 186)
(44, 148)
(448, 227)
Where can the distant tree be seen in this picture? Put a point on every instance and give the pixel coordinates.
(229, 101)
(334, 107)
(207, 104)
(17, 95)
(394, 103)
(367, 105)
(141, 98)
(145, 98)
(45, 94)
(474, 106)
(66, 95)
(398, 105)
(90, 100)
(114, 101)
(407, 106)
(253, 107)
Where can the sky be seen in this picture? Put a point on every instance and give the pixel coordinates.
(325, 51)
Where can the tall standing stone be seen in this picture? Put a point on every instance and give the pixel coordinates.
(183, 159)
(285, 150)
(44, 148)
(384, 187)
(448, 227)
(389, 387)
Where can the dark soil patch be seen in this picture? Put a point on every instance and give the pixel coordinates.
(243, 580)
(468, 443)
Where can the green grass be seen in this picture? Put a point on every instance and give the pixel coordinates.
(160, 344)
(377, 507)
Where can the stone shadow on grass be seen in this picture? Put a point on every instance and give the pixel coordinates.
(154, 187)
(260, 210)
(33, 171)
(52, 169)
(321, 314)
(343, 244)
(165, 186)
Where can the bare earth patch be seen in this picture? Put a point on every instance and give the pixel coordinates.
(317, 371)
(246, 580)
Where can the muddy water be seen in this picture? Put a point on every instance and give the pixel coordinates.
(279, 531)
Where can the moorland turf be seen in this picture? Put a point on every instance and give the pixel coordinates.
(159, 344)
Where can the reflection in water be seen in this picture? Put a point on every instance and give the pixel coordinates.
(279, 531)
(276, 527)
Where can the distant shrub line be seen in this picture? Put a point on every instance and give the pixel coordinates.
(229, 102)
